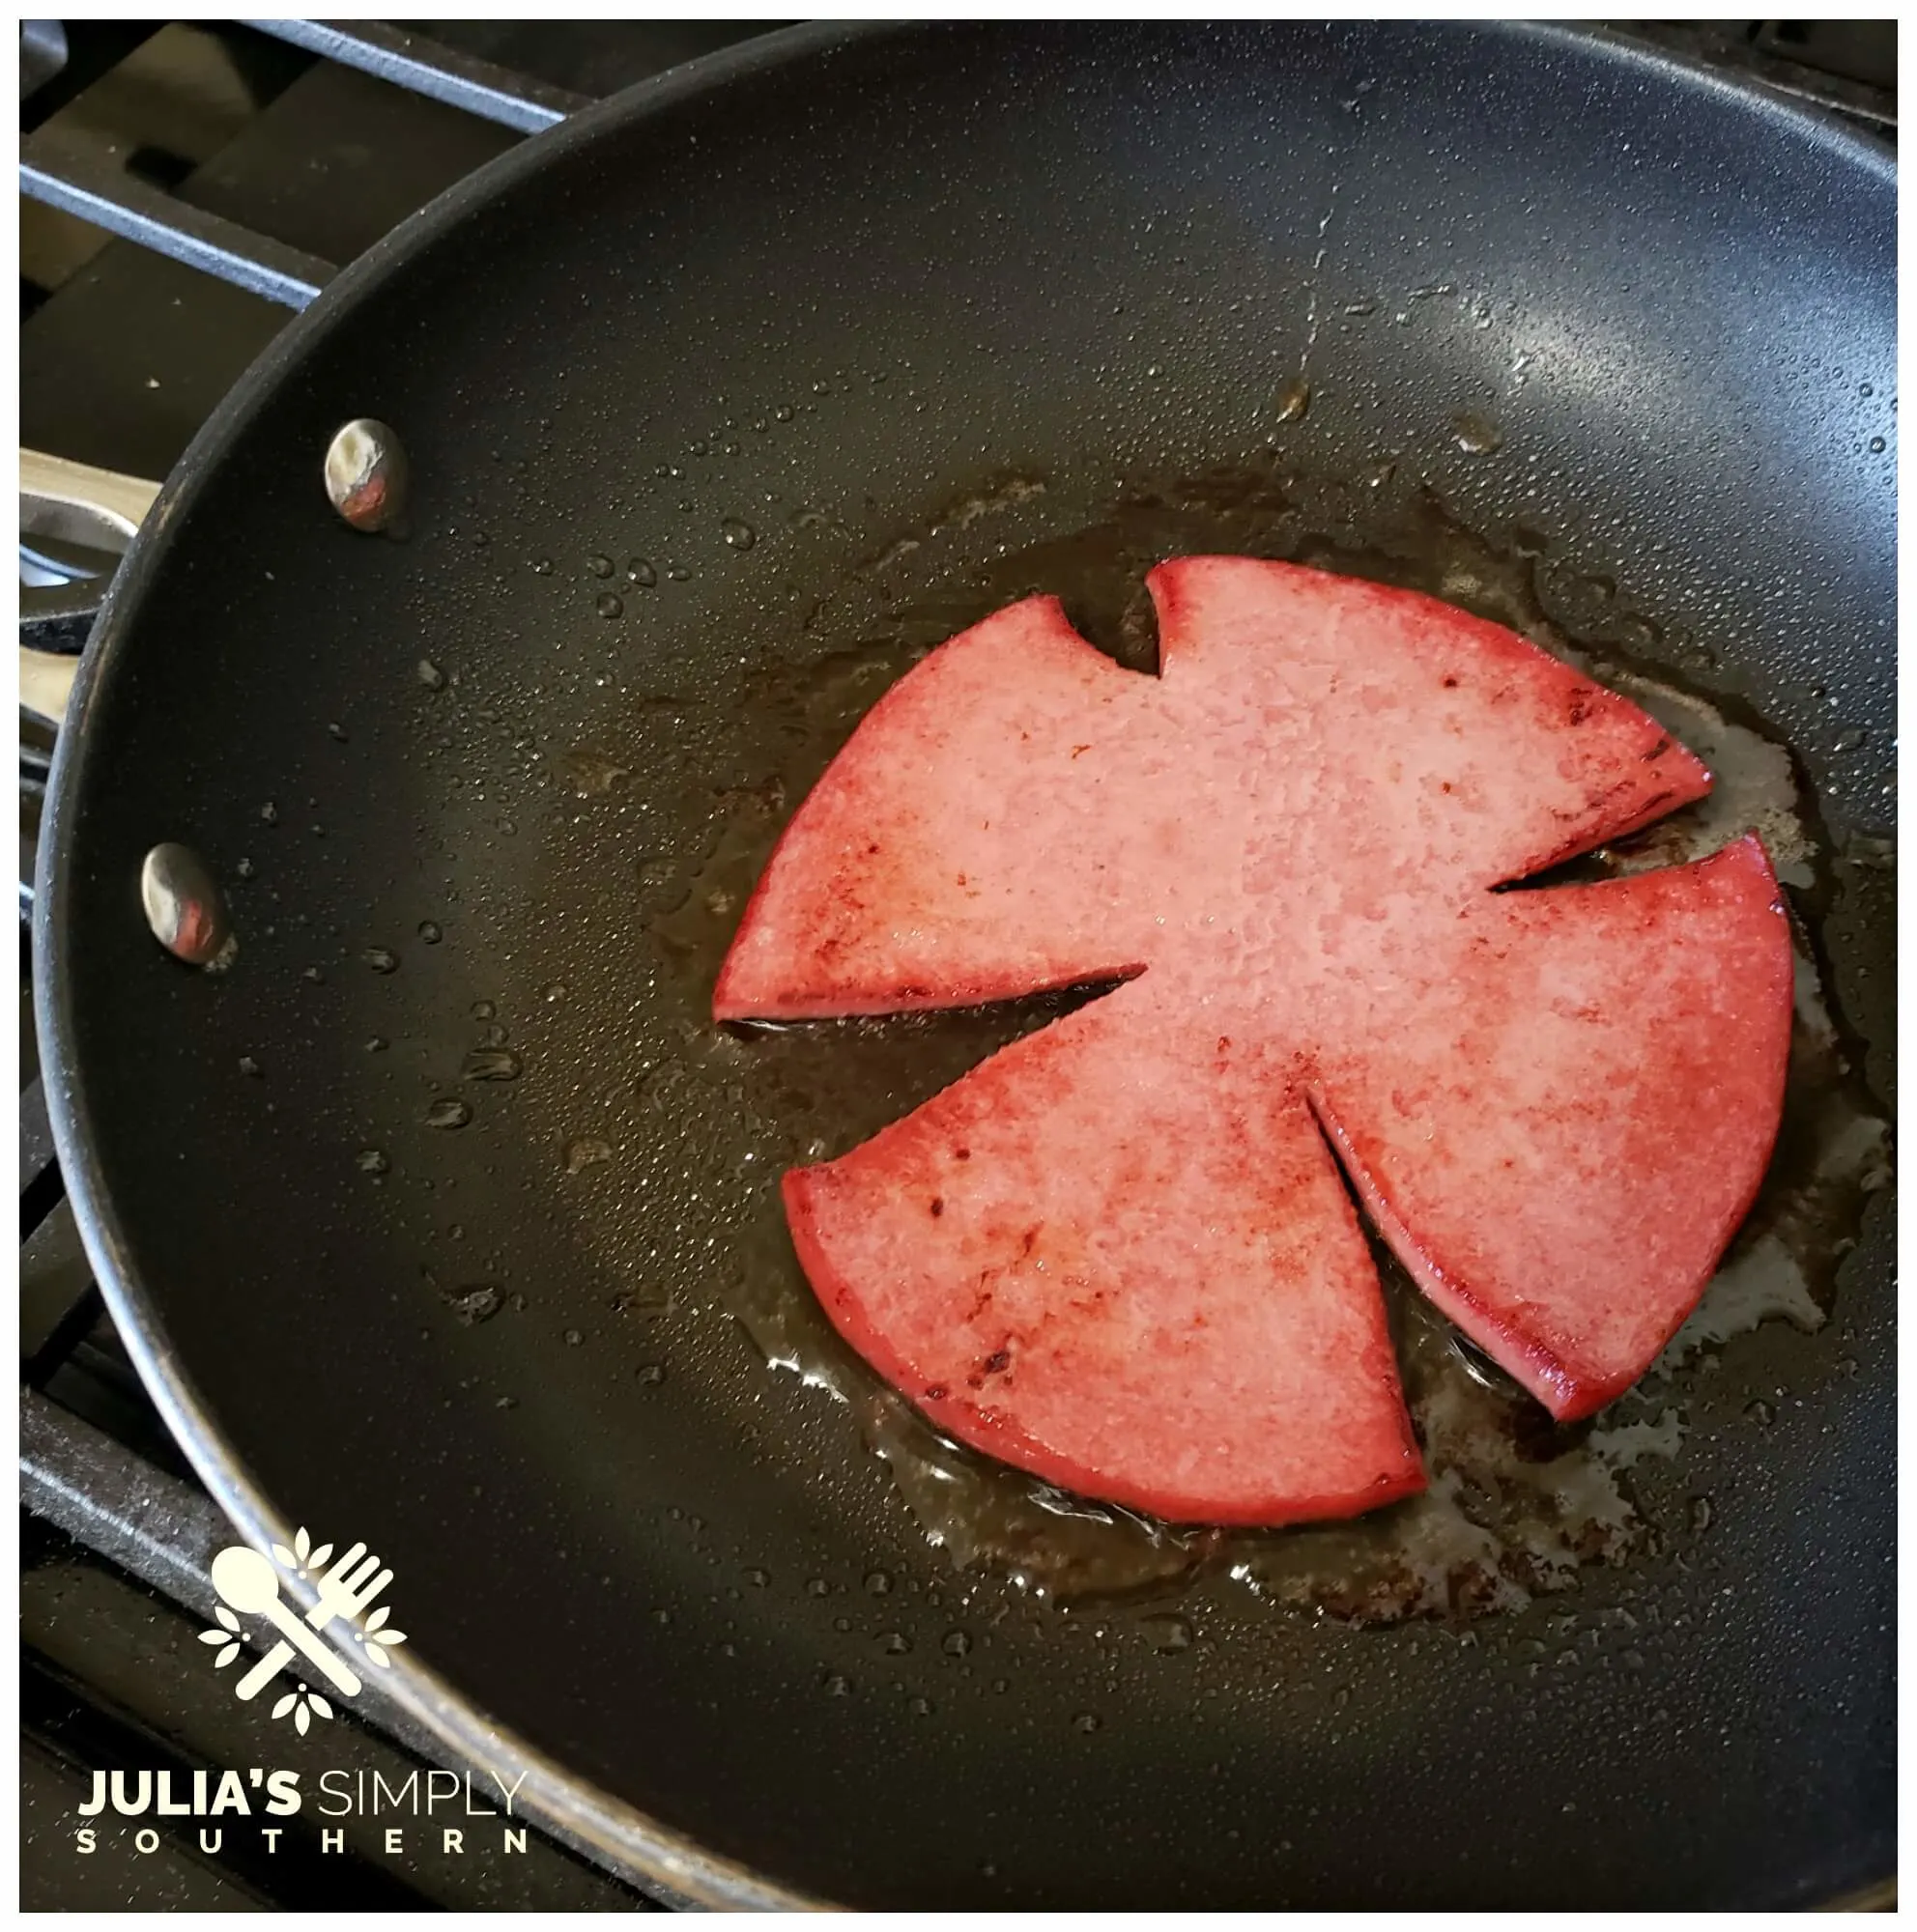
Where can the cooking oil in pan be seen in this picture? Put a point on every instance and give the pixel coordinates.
(1516, 1505)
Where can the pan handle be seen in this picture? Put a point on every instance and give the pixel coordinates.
(71, 504)
(46, 683)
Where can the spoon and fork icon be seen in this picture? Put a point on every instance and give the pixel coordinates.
(247, 1582)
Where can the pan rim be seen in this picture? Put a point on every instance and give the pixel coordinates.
(617, 1836)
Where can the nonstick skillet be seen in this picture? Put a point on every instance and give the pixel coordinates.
(430, 1217)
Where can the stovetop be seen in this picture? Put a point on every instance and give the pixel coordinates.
(188, 185)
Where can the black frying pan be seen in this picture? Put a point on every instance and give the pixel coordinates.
(984, 290)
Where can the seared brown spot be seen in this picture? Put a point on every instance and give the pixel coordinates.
(1030, 1239)
(1450, 684)
(962, 1153)
(1076, 749)
(937, 1208)
(937, 1393)
(996, 1363)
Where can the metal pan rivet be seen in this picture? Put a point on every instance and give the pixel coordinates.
(184, 909)
(366, 475)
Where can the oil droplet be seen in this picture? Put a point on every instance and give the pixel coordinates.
(1087, 1721)
(662, 1617)
(652, 1374)
(430, 932)
(1169, 1633)
(313, 974)
(834, 1685)
(1476, 435)
(758, 1579)
(337, 732)
(1701, 1513)
(609, 605)
(895, 1643)
(878, 1583)
(957, 1643)
(370, 1160)
(475, 1305)
(1479, 1366)
(818, 1587)
(483, 1010)
(574, 1338)
(920, 1707)
(431, 675)
(542, 566)
(584, 1153)
(1761, 1414)
(380, 958)
(740, 535)
(491, 1063)
(599, 567)
(1294, 399)
(448, 1115)
(270, 813)
(244, 868)
(679, 574)
(556, 992)
(376, 1045)
(1878, 445)
(592, 773)
(249, 1066)
(642, 573)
